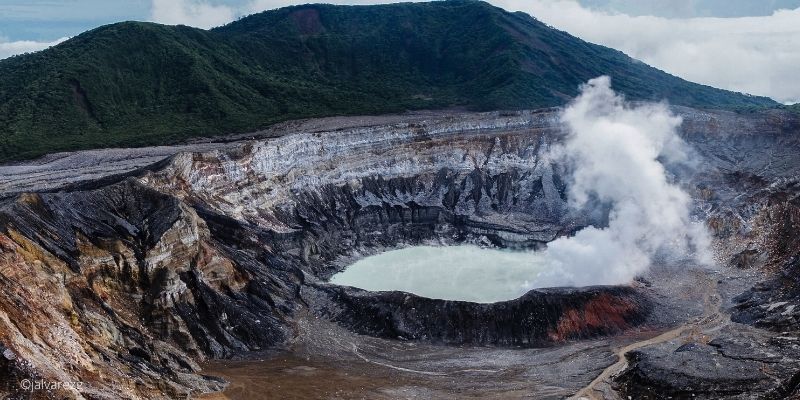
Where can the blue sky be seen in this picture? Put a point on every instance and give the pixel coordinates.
(693, 8)
(752, 46)
(47, 20)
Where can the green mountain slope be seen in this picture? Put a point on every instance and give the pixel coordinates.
(132, 83)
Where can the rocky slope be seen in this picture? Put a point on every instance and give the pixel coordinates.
(125, 283)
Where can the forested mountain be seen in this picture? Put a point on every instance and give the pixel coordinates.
(134, 83)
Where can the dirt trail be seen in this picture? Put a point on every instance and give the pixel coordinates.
(711, 319)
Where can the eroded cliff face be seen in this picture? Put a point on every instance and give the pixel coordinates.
(476, 167)
(775, 302)
(102, 287)
(125, 284)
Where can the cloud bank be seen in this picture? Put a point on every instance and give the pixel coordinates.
(613, 150)
(12, 48)
(756, 55)
(200, 14)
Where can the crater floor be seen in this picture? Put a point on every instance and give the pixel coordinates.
(327, 361)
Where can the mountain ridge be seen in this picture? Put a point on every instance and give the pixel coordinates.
(137, 83)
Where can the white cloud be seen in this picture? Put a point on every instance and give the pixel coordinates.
(9, 48)
(262, 5)
(200, 14)
(757, 55)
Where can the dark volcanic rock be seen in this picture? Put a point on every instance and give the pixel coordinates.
(124, 280)
(775, 303)
(538, 318)
(700, 373)
(741, 366)
(740, 362)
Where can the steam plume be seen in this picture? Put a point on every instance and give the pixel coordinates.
(613, 151)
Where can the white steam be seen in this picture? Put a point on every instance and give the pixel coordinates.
(613, 151)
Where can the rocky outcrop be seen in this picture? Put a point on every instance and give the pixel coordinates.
(538, 318)
(111, 286)
(775, 303)
(743, 366)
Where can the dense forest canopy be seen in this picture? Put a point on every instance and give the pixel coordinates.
(135, 83)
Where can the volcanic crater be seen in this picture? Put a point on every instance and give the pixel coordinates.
(132, 281)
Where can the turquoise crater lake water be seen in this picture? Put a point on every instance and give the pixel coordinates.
(466, 273)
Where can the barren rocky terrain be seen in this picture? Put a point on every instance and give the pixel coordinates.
(133, 270)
